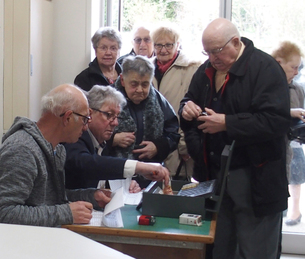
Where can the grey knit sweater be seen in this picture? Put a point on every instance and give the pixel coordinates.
(32, 179)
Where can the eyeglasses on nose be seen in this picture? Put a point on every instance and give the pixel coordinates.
(110, 116)
(112, 49)
(86, 119)
(139, 40)
(216, 51)
(167, 46)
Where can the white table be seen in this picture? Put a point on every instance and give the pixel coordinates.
(29, 242)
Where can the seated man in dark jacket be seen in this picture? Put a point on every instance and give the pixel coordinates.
(87, 161)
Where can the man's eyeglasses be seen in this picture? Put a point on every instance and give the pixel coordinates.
(167, 46)
(216, 51)
(86, 119)
(139, 40)
(110, 116)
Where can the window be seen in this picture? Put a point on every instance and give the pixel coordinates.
(190, 16)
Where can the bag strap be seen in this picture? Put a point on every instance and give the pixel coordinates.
(178, 169)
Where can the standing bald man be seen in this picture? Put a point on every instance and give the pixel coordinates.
(245, 97)
(32, 162)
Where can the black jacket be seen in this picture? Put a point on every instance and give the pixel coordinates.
(93, 76)
(121, 59)
(255, 100)
(84, 168)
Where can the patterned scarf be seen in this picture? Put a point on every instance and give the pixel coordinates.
(153, 122)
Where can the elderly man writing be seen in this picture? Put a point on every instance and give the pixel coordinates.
(245, 97)
(32, 165)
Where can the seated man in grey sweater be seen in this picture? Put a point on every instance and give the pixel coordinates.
(32, 165)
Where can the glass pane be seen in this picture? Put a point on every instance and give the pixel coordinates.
(190, 17)
(267, 23)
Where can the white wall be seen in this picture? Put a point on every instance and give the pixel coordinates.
(71, 39)
(47, 43)
(1, 64)
(16, 60)
(41, 35)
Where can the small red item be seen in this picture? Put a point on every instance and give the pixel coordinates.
(147, 220)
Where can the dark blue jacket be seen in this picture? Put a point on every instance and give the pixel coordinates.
(84, 168)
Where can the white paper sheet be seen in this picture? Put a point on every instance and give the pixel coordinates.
(129, 198)
(111, 217)
(117, 201)
(97, 217)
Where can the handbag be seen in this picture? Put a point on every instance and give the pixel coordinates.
(297, 131)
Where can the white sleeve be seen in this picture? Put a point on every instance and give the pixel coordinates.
(130, 168)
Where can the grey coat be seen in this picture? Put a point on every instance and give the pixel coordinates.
(32, 179)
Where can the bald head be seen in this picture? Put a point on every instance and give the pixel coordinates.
(221, 42)
(219, 30)
(62, 98)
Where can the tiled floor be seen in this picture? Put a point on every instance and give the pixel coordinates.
(286, 256)
(298, 228)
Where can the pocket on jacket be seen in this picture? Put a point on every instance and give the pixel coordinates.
(269, 182)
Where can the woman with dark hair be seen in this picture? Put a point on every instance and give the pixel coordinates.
(148, 126)
(104, 69)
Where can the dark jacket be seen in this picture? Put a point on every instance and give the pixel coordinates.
(84, 168)
(255, 99)
(121, 59)
(93, 76)
(154, 119)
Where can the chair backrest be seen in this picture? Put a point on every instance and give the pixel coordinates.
(213, 202)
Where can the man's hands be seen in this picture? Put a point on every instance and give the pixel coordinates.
(211, 123)
(102, 197)
(134, 187)
(81, 212)
(191, 111)
(153, 171)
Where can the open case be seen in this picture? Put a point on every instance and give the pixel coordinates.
(173, 206)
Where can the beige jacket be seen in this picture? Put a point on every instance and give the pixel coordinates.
(174, 85)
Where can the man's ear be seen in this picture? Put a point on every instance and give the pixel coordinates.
(67, 117)
(122, 80)
(236, 42)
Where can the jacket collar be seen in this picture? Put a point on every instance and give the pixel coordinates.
(95, 69)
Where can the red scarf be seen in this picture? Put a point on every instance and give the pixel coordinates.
(163, 68)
